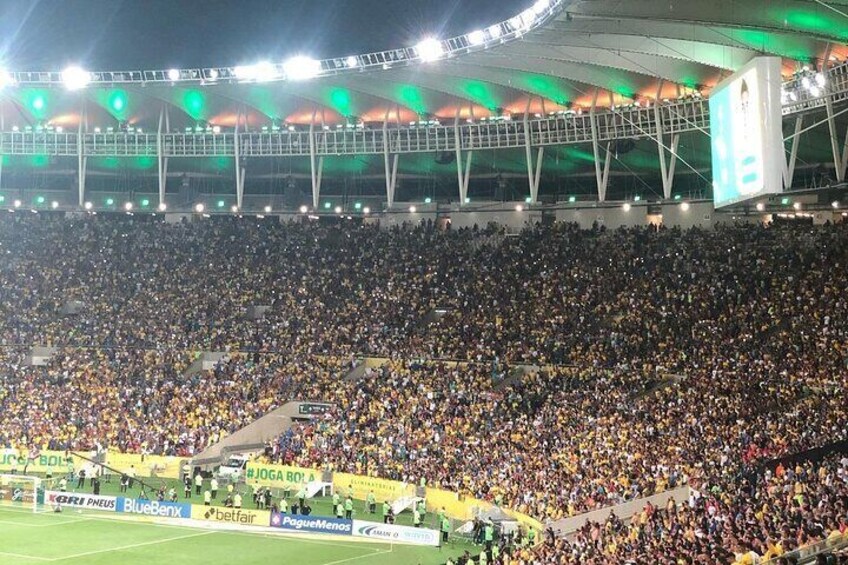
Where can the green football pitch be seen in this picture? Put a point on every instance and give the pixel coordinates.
(73, 537)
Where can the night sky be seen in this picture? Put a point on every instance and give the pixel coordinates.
(159, 34)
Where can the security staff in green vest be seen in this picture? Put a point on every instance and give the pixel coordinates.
(386, 509)
(531, 537)
(372, 502)
(445, 526)
(440, 517)
(496, 553)
(489, 534)
(348, 506)
(483, 558)
(339, 510)
(301, 497)
(416, 518)
(336, 499)
(284, 506)
(422, 509)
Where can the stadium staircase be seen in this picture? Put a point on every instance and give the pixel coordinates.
(254, 436)
(568, 526)
(516, 373)
(40, 355)
(206, 361)
(364, 368)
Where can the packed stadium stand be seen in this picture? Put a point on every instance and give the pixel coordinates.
(663, 357)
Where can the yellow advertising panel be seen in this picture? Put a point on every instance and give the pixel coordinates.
(55, 461)
(240, 516)
(279, 476)
(146, 465)
(359, 486)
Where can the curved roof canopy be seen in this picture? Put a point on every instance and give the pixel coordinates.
(558, 56)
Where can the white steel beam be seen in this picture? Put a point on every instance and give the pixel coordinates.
(601, 174)
(82, 160)
(789, 167)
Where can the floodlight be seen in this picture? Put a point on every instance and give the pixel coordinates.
(17, 203)
(760, 206)
(267, 209)
(352, 61)
(495, 31)
(805, 82)
(429, 49)
(6, 79)
(162, 206)
(128, 206)
(684, 206)
(815, 91)
(412, 209)
(302, 68)
(820, 79)
(233, 208)
(476, 37)
(75, 78)
(174, 75)
(216, 129)
(304, 209)
(366, 210)
(519, 208)
(199, 208)
(338, 209)
(88, 205)
(213, 74)
(54, 204)
(797, 205)
(835, 204)
(626, 207)
(264, 71)
(540, 6)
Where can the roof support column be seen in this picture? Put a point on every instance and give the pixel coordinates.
(164, 127)
(601, 177)
(462, 177)
(316, 166)
(82, 159)
(789, 168)
(2, 128)
(390, 163)
(533, 173)
(240, 172)
(839, 160)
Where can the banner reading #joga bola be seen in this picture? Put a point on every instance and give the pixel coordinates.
(279, 476)
(56, 461)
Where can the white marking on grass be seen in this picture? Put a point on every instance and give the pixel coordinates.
(26, 525)
(19, 556)
(130, 546)
(372, 554)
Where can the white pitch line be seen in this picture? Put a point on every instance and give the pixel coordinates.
(130, 546)
(19, 556)
(25, 525)
(372, 554)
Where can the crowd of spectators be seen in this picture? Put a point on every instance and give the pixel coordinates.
(668, 356)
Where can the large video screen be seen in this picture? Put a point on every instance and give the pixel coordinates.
(746, 133)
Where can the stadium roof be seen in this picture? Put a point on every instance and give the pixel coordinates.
(558, 55)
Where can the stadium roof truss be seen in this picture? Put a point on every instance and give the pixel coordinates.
(563, 72)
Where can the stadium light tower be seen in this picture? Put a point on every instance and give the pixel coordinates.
(476, 37)
(429, 49)
(302, 68)
(75, 78)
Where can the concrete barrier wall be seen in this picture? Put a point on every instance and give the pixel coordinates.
(570, 525)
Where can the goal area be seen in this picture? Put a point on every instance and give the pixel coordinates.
(20, 491)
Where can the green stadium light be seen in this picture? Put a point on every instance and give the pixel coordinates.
(784, 201)
(467, 199)
(527, 200)
(145, 203)
(357, 206)
(110, 201)
(2, 198)
(637, 198)
(221, 204)
(39, 200)
(327, 205)
(572, 199)
(677, 197)
(428, 200)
